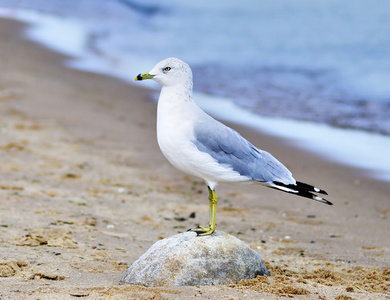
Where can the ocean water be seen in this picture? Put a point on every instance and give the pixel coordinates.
(323, 63)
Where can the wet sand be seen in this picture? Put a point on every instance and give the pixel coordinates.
(84, 191)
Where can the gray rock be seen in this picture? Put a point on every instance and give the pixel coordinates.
(186, 259)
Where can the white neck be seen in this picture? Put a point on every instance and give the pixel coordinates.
(177, 93)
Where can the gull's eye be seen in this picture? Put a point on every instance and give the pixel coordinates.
(167, 69)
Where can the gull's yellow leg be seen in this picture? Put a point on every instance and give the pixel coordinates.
(206, 230)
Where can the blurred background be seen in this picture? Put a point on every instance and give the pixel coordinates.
(323, 62)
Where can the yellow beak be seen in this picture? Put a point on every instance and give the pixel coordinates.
(143, 76)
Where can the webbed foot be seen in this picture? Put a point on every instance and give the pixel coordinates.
(203, 230)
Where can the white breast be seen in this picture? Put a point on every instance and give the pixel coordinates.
(175, 133)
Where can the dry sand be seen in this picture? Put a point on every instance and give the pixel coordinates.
(84, 191)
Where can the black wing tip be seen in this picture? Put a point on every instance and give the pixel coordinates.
(323, 192)
(303, 190)
(310, 195)
(320, 199)
(310, 188)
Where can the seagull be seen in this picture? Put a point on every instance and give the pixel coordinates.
(195, 143)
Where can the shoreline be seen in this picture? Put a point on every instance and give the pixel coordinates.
(350, 147)
(82, 175)
(332, 81)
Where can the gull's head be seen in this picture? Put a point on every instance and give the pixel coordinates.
(169, 72)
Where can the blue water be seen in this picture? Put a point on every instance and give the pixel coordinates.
(324, 61)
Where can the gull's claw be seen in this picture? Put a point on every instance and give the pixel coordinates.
(203, 230)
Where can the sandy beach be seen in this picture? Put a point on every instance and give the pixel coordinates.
(85, 190)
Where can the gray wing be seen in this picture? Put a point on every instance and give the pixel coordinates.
(228, 147)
